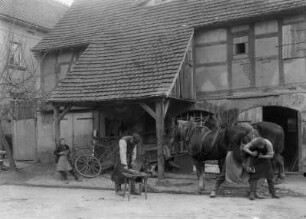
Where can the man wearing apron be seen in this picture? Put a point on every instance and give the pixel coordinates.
(126, 159)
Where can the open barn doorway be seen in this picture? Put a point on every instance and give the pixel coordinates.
(288, 119)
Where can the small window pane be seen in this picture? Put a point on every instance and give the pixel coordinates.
(240, 48)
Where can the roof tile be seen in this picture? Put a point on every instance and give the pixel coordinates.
(41, 13)
(135, 51)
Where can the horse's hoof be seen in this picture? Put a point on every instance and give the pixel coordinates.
(212, 194)
(277, 181)
(252, 196)
(275, 196)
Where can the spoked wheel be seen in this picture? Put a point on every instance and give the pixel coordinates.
(88, 166)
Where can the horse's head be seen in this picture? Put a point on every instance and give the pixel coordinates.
(176, 133)
(180, 130)
(212, 122)
(250, 132)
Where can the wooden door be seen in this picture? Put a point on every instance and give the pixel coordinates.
(83, 127)
(76, 128)
(250, 116)
(24, 139)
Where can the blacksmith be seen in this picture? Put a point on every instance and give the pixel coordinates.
(261, 151)
(126, 160)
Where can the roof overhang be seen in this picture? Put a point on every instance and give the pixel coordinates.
(120, 101)
(252, 18)
(24, 23)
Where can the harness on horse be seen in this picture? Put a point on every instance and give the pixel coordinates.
(191, 131)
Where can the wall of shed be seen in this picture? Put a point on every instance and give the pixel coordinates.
(76, 128)
(45, 137)
(55, 67)
(184, 83)
(211, 71)
(252, 56)
(251, 115)
(271, 72)
(48, 69)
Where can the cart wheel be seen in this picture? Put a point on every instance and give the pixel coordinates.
(88, 166)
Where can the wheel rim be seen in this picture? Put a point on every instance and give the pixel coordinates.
(88, 166)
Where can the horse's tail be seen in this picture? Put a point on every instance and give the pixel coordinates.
(280, 143)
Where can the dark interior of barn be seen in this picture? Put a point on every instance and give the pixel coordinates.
(287, 118)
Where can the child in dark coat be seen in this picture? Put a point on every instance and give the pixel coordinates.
(62, 159)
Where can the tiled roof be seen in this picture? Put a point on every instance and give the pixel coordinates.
(41, 13)
(135, 51)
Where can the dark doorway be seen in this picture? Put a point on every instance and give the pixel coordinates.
(288, 119)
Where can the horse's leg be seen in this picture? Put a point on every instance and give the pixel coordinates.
(220, 164)
(279, 163)
(281, 166)
(200, 173)
(281, 170)
(220, 179)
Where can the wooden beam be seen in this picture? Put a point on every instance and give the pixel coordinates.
(148, 110)
(280, 53)
(166, 106)
(57, 117)
(300, 142)
(160, 128)
(56, 124)
(66, 110)
(252, 55)
(229, 59)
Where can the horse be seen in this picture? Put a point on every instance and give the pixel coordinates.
(212, 143)
(205, 143)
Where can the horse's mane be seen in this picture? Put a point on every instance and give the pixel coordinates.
(246, 126)
(183, 126)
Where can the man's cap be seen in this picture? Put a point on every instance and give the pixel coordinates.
(136, 138)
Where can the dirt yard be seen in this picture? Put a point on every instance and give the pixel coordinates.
(26, 202)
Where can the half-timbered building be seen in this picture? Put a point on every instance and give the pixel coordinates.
(130, 66)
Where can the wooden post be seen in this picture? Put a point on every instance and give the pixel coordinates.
(160, 128)
(57, 117)
(56, 124)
